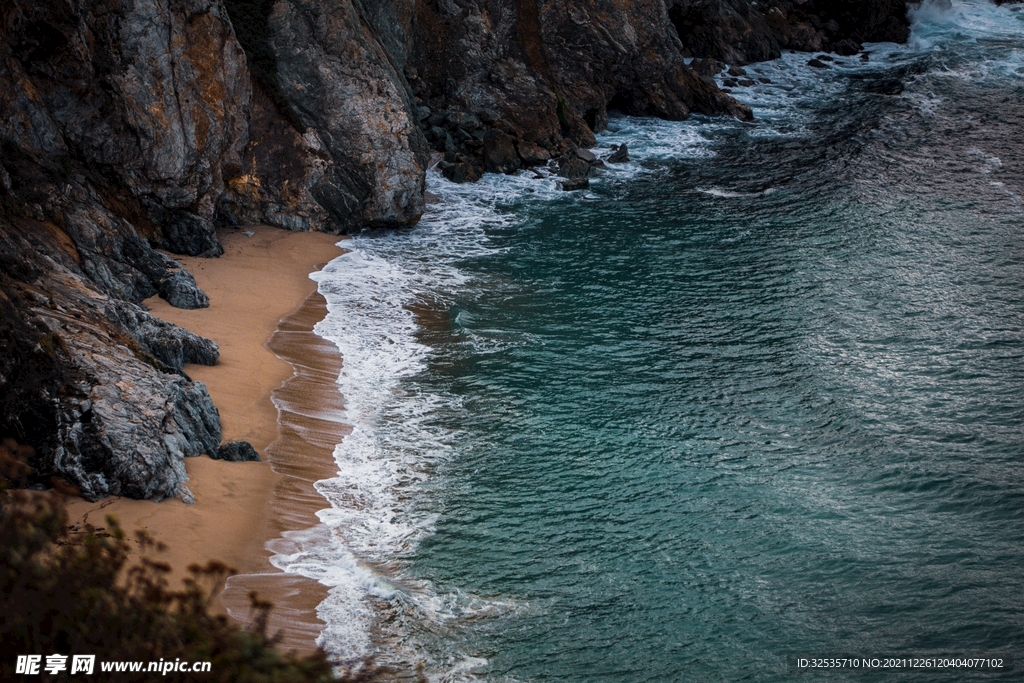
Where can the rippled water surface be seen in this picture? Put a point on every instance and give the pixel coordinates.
(760, 391)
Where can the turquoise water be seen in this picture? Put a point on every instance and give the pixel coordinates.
(758, 393)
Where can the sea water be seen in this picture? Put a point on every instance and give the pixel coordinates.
(757, 392)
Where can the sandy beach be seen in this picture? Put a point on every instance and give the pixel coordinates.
(261, 282)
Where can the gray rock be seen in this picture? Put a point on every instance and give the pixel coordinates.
(586, 155)
(179, 288)
(172, 345)
(130, 435)
(342, 82)
(236, 451)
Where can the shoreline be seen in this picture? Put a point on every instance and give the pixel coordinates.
(310, 425)
(258, 289)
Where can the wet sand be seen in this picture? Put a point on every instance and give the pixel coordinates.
(310, 422)
(259, 290)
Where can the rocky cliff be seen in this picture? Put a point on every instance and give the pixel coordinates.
(134, 128)
(740, 31)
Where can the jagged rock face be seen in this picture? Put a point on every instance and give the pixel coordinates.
(105, 411)
(280, 168)
(626, 55)
(338, 78)
(742, 31)
(546, 72)
(169, 344)
(152, 93)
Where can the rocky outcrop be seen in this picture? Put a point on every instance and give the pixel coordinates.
(150, 95)
(339, 79)
(545, 73)
(169, 344)
(743, 31)
(132, 126)
(104, 410)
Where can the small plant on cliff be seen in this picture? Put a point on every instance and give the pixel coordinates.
(78, 597)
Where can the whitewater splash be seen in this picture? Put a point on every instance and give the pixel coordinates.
(386, 288)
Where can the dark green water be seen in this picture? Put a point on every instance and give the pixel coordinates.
(762, 398)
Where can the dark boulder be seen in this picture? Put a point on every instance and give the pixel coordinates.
(179, 288)
(575, 184)
(187, 233)
(707, 68)
(532, 154)
(817, 64)
(462, 171)
(236, 451)
(846, 47)
(500, 154)
(620, 155)
(572, 167)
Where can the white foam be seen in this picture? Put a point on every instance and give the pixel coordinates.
(729, 194)
(377, 514)
(938, 22)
